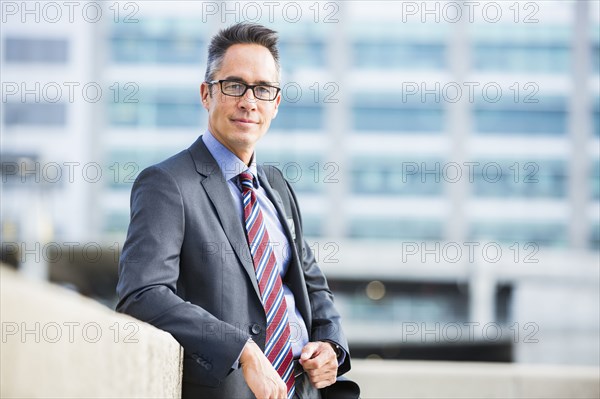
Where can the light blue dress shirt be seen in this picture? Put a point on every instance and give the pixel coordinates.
(231, 166)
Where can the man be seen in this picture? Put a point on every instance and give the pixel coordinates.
(214, 252)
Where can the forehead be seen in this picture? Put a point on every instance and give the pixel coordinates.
(251, 62)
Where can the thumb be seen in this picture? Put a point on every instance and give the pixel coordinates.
(308, 351)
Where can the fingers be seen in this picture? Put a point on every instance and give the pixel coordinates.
(320, 363)
(266, 385)
(262, 379)
(309, 350)
(316, 355)
(323, 376)
(322, 372)
(324, 384)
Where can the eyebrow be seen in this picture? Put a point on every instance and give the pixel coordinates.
(238, 79)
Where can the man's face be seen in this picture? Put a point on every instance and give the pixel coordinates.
(239, 122)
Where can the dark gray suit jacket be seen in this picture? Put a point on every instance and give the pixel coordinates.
(186, 268)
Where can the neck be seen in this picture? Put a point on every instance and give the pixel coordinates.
(244, 156)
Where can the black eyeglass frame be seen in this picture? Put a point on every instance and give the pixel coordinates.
(251, 87)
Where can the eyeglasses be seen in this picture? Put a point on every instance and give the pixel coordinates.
(236, 88)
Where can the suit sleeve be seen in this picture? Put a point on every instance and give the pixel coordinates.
(148, 274)
(326, 320)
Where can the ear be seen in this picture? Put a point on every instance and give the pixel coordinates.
(277, 102)
(205, 95)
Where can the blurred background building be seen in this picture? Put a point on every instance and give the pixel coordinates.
(446, 156)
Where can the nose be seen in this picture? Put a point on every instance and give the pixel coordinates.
(248, 101)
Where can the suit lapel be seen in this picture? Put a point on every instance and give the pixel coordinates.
(295, 275)
(218, 191)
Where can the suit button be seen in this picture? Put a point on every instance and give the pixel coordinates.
(255, 329)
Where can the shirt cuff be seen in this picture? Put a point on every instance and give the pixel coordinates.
(339, 351)
(236, 364)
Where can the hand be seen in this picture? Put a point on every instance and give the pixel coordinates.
(260, 375)
(320, 363)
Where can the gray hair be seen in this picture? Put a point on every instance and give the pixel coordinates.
(236, 34)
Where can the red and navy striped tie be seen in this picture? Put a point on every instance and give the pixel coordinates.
(278, 348)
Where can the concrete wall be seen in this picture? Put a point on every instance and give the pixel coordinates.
(56, 343)
(412, 379)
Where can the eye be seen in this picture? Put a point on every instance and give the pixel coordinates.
(264, 91)
(234, 85)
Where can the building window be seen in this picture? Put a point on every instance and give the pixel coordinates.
(595, 51)
(312, 226)
(21, 50)
(123, 166)
(395, 54)
(596, 117)
(116, 223)
(521, 57)
(176, 113)
(299, 116)
(394, 228)
(302, 53)
(595, 179)
(123, 114)
(381, 176)
(160, 50)
(383, 112)
(159, 41)
(520, 178)
(159, 107)
(551, 234)
(33, 114)
(391, 119)
(595, 237)
(400, 301)
(306, 173)
(549, 116)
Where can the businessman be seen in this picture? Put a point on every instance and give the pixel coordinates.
(215, 253)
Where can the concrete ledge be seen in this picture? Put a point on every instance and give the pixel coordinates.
(56, 343)
(417, 379)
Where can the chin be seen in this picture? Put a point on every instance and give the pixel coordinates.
(246, 138)
(253, 133)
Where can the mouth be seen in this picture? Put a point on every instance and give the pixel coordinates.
(243, 121)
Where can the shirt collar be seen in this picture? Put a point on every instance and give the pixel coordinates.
(230, 165)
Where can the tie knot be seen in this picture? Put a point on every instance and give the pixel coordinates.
(247, 180)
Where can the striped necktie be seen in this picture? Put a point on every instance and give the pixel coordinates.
(278, 348)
